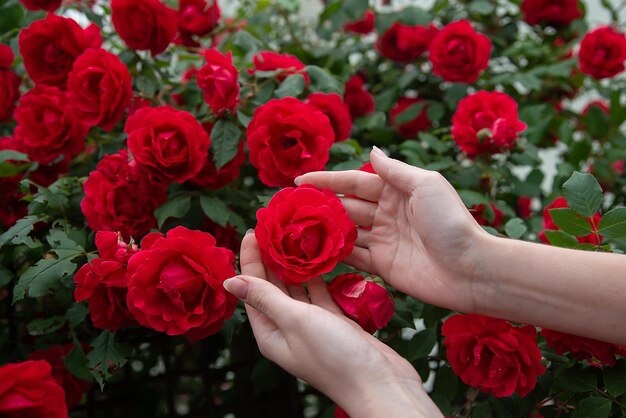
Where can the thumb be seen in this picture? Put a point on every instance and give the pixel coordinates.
(400, 175)
(262, 296)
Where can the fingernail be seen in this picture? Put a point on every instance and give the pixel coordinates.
(297, 180)
(237, 287)
(250, 231)
(378, 151)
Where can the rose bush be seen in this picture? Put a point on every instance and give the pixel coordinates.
(139, 140)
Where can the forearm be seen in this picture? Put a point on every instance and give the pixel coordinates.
(578, 292)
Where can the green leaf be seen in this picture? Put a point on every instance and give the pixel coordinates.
(481, 7)
(106, 354)
(293, 86)
(471, 198)
(615, 379)
(45, 325)
(454, 94)
(422, 343)
(561, 239)
(613, 223)
(76, 314)
(575, 379)
(215, 210)
(583, 193)
(571, 222)
(76, 363)
(322, 81)
(414, 16)
(515, 228)
(11, 155)
(224, 142)
(5, 276)
(18, 233)
(410, 113)
(177, 208)
(11, 15)
(593, 408)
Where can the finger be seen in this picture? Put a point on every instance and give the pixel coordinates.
(360, 211)
(363, 185)
(298, 293)
(268, 336)
(363, 237)
(360, 259)
(402, 176)
(271, 277)
(250, 257)
(318, 291)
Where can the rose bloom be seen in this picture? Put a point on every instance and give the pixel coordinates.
(409, 129)
(337, 112)
(287, 138)
(46, 5)
(597, 352)
(99, 88)
(144, 24)
(50, 46)
(219, 81)
(102, 282)
(557, 13)
(47, 126)
(169, 144)
(304, 232)
(492, 354)
(548, 223)
(524, 209)
(9, 84)
(478, 212)
(340, 413)
(209, 177)
(28, 390)
(136, 103)
(368, 168)
(363, 26)
(120, 197)
(175, 283)
(404, 43)
(459, 53)
(285, 64)
(358, 99)
(74, 387)
(198, 17)
(365, 302)
(486, 123)
(602, 53)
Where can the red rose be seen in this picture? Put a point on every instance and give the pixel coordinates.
(119, 197)
(28, 390)
(368, 168)
(602, 53)
(557, 13)
(170, 144)
(209, 177)
(136, 103)
(144, 24)
(226, 237)
(486, 123)
(597, 352)
(337, 112)
(478, 212)
(99, 88)
(524, 209)
(287, 64)
(50, 46)
(9, 84)
(197, 17)
(358, 99)
(492, 354)
(175, 283)
(219, 81)
(409, 129)
(365, 302)
(74, 387)
(404, 43)
(304, 232)
(102, 283)
(459, 53)
(287, 138)
(47, 126)
(340, 413)
(548, 223)
(363, 26)
(47, 5)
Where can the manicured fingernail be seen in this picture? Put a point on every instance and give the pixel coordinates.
(378, 151)
(250, 231)
(298, 180)
(237, 287)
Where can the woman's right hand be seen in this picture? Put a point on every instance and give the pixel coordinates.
(422, 241)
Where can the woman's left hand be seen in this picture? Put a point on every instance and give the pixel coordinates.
(308, 335)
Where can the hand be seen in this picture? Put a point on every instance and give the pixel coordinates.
(314, 341)
(423, 241)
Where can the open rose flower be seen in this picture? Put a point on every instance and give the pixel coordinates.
(597, 352)
(284, 64)
(120, 197)
(287, 138)
(494, 220)
(219, 81)
(548, 223)
(409, 129)
(198, 17)
(50, 46)
(337, 112)
(169, 144)
(28, 390)
(459, 53)
(362, 26)
(603, 52)
(557, 13)
(46, 5)
(358, 99)
(405, 43)
(492, 354)
(99, 88)
(9, 84)
(304, 232)
(365, 302)
(175, 283)
(486, 123)
(102, 282)
(144, 24)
